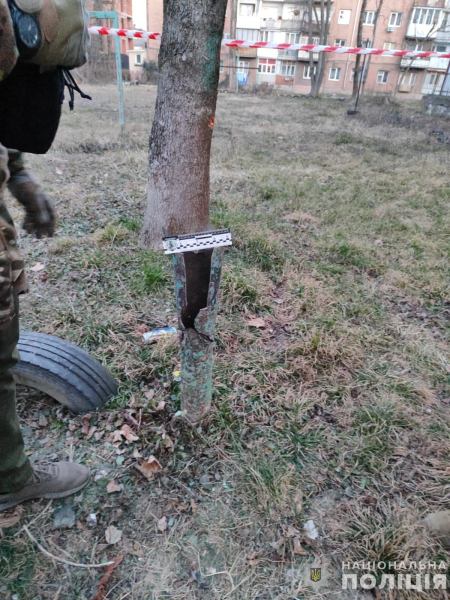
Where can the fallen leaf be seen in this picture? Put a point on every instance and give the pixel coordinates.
(128, 433)
(194, 506)
(278, 544)
(85, 429)
(116, 436)
(136, 453)
(254, 559)
(43, 422)
(91, 432)
(161, 405)
(113, 486)
(149, 395)
(298, 548)
(257, 322)
(101, 590)
(58, 171)
(167, 442)
(140, 330)
(10, 519)
(149, 467)
(292, 531)
(162, 524)
(113, 535)
(37, 267)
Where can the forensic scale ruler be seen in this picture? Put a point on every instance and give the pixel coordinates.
(192, 242)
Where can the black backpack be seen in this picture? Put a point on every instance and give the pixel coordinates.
(30, 108)
(32, 95)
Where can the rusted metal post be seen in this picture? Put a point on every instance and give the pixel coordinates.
(197, 326)
(197, 284)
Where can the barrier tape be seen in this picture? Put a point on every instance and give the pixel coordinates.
(148, 35)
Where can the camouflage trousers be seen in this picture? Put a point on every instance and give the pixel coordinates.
(15, 468)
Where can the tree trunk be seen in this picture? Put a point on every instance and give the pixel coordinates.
(178, 195)
(325, 13)
(180, 140)
(359, 45)
(369, 58)
(232, 64)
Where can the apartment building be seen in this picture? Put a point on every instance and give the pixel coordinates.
(402, 24)
(155, 23)
(124, 9)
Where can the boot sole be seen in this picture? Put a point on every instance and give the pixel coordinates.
(50, 496)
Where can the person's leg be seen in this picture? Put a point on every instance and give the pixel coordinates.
(15, 469)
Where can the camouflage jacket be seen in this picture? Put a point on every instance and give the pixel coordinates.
(12, 274)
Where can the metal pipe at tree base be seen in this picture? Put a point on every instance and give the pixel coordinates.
(197, 275)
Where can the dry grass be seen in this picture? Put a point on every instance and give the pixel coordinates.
(336, 411)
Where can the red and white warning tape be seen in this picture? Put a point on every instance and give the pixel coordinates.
(148, 35)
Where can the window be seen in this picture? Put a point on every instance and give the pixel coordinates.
(396, 19)
(305, 40)
(246, 10)
(340, 42)
(307, 72)
(267, 65)
(287, 68)
(138, 59)
(292, 38)
(335, 74)
(243, 66)
(426, 16)
(389, 46)
(248, 35)
(344, 17)
(266, 36)
(416, 47)
(439, 48)
(368, 17)
(407, 79)
(362, 75)
(433, 79)
(366, 44)
(221, 68)
(382, 76)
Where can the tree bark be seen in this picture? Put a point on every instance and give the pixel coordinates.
(359, 45)
(369, 58)
(325, 13)
(180, 140)
(232, 70)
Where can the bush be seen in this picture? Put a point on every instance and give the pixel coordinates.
(151, 70)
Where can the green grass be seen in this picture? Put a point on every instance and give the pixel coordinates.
(335, 410)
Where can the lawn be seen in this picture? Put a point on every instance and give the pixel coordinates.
(334, 409)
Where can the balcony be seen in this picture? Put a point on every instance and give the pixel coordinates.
(438, 64)
(288, 54)
(421, 32)
(414, 63)
(247, 22)
(443, 35)
(248, 52)
(304, 56)
(281, 24)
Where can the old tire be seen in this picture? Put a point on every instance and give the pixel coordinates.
(63, 371)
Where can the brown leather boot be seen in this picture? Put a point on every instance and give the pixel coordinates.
(49, 480)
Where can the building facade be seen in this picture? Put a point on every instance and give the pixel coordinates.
(401, 24)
